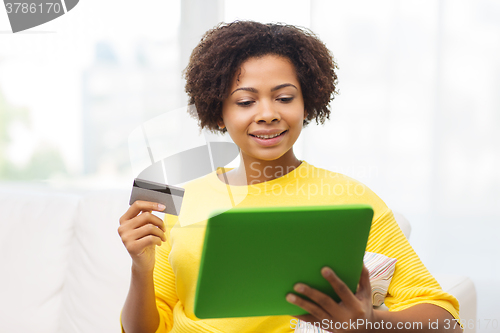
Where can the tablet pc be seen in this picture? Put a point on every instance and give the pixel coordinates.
(252, 257)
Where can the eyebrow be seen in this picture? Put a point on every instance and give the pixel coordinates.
(278, 87)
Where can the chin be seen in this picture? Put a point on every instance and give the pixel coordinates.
(270, 156)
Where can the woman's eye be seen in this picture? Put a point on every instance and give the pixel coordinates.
(245, 103)
(285, 99)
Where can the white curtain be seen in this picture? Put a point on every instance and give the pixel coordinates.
(418, 121)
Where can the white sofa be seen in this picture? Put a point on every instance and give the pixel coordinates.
(65, 269)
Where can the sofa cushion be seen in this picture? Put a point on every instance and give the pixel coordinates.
(99, 266)
(403, 223)
(36, 235)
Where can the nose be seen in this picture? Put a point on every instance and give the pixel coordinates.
(267, 113)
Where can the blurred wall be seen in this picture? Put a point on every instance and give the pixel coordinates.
(417, 118)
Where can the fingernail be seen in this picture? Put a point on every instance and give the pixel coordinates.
(291, 298)
(299, 287)
(161, 207)
(327, 271)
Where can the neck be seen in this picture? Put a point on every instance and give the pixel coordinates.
(253, 171)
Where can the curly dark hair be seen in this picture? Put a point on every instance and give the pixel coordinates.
(222, 50)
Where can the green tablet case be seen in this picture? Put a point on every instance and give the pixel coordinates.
(252, 257)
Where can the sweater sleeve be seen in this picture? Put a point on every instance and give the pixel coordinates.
(412, 283)
(164, 281)
(164, 284)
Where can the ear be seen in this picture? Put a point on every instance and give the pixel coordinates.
(221, 124)
(305, 114)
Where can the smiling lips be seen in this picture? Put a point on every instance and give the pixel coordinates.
(271, 141)
(267, 134)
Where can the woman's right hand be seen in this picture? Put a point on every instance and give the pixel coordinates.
(140, 231)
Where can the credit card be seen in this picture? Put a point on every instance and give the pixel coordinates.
(167, 195)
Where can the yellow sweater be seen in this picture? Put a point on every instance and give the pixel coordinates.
(178, 259)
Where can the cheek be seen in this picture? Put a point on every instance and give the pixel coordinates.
(237, 128)
(298, 121)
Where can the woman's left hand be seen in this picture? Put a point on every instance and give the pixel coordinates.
(353, 308)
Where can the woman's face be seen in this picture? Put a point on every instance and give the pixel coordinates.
(265, 97)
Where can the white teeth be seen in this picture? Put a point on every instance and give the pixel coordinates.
(268, 136)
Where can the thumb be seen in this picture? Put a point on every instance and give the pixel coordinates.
(364, 287)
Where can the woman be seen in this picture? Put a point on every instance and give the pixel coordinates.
(262, 84)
